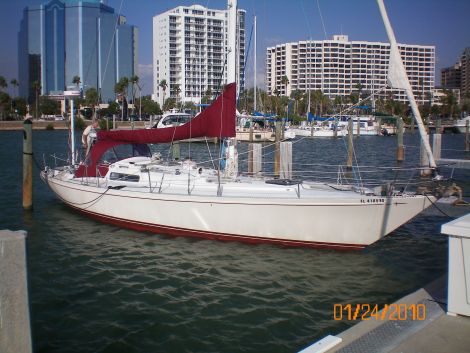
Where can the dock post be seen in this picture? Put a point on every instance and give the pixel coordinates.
(350, 144)
(379, 126)
(254, 159)
(424, 161)
(400, 147)
(15, 327)
(251, 133)
(27, 164)
(286, 160)
(358, 127)
(114, 122)
(277, 153)
(412, 125)
(436, 145)
(335, 128)
(175, 149)
(439, 129)
(467, 139)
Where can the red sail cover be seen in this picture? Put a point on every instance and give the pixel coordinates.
(217, 120)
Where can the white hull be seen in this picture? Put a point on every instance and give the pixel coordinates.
(308, 132)
(303, 215)
(258, 135)
(461, 125)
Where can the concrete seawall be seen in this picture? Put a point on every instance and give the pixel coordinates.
(62, 125)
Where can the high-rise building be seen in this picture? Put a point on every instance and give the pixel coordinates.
(465, 72)
(190, 52)
(451, 77)
(340, 67)
(66, 38)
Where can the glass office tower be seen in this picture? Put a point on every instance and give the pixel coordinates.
(66, 38)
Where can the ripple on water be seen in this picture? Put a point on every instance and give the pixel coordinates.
(97, 288)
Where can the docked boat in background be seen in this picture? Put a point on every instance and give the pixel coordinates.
(461, 124)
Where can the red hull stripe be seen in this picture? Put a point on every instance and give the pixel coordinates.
(162, 229)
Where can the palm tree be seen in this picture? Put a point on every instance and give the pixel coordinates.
(359, 87)
(296, 96)
(134, 81)
(91, 99)
(15, 84)
(120, 88)
(176, 92)
(285, 82)
(3, 83)
(163, 85)
(76, 81)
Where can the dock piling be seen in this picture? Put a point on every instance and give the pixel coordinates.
(467, 138)
(254, 158)
(27, 165)
(400, 147)
(350, 144)
(277, 153)
(286, 160)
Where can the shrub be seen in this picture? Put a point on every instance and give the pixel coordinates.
(80, 124)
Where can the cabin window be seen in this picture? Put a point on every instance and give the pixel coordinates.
(124, 151)
(124, 177)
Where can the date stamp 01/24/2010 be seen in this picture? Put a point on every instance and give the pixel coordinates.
(392, 312)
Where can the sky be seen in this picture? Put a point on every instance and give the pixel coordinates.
(442, 23)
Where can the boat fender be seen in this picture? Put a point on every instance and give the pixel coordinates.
(117, 187)
(177, 172)
(200, 170)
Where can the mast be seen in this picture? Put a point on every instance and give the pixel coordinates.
(232, 42)
(398, 78)
(254, 104)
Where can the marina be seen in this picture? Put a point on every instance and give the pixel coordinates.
(322, 223)
(98, 287)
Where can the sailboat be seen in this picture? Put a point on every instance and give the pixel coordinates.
(122, 183)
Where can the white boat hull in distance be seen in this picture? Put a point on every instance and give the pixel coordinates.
(244, 135)
(318, 132)
(461, 124)
(317, 218)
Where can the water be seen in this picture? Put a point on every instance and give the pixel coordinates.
(97, 288)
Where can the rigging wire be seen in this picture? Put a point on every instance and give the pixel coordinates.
(110, 46)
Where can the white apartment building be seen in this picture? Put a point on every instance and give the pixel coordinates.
(337, 66)
(190, 52)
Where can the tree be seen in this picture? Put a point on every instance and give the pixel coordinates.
(120, 88)
(92, 99)
(163, 85)
(358, 87)
(207, 98)
(76, 81)
(15, 84)
(285, 82)
(169, 104)
(297, 95)
(176, 92)
(48, 106)
(3, 83)
(134, 80)
(149, 107)
(20, 106)
(449, 103)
